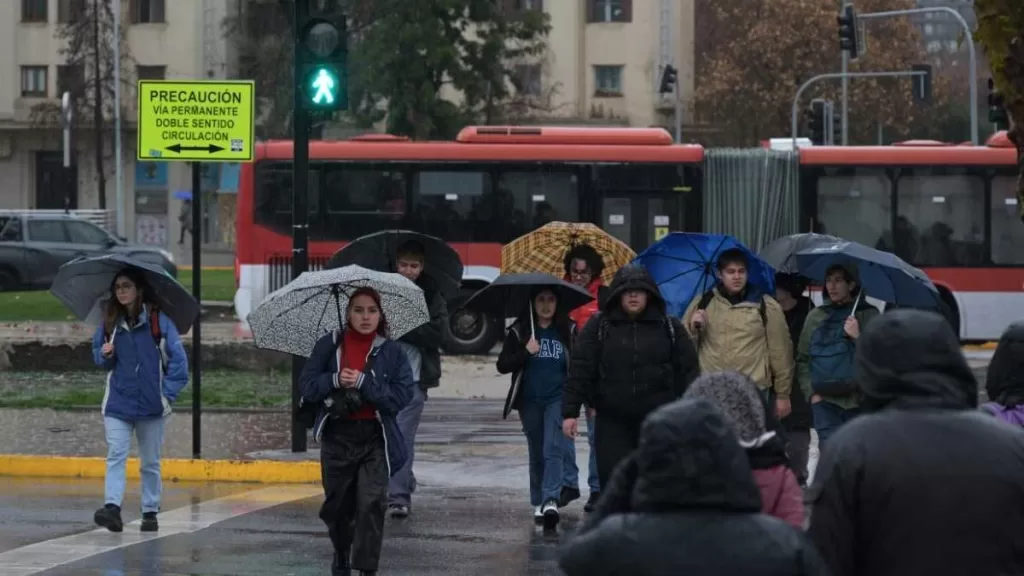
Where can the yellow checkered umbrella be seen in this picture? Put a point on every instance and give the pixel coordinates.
(544, 249)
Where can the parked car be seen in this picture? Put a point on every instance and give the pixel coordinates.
(33, 245)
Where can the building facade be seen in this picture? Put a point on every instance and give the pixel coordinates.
(161, 39)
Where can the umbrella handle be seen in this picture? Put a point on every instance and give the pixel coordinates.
(856, 303)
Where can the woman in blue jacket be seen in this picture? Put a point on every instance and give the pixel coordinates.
(536, 352)
(361, 380)
(147, 369)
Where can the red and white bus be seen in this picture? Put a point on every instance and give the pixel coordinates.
(948, 209)
(489, 186)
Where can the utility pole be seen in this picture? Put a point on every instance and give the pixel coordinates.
(97, 112)
(118, 160)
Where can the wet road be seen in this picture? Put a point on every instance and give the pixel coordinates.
(452, 531)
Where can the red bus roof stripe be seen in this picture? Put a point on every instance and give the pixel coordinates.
(907, 156)
(566, 136)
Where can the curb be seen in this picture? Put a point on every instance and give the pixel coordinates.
(172, 469)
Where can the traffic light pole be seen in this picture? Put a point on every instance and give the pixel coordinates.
(972, 73)
(794, 127)
(845, 103)
(300, 201)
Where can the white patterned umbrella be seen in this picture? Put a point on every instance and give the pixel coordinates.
(293, 318)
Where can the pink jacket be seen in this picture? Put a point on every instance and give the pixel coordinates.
(781, 495)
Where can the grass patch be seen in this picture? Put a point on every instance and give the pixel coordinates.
(41, 306)
(220, 389)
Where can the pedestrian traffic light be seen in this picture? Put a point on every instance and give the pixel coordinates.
(837, 125)
(323, 76)
(669, 76)
(847, 20)
(997, 107)
(816, 121)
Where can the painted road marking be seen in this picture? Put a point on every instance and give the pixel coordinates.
(50, 554)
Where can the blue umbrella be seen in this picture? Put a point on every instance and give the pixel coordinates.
(882, 275)
(183, 194)
(83, 285)
(683, 266)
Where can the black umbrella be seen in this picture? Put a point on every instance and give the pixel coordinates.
(377, 251)
(509, 294)
(781, 254)
(83, 285)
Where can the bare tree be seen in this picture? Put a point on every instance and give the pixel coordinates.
(87, 34)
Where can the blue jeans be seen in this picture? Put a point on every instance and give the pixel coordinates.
(150, 434)
(828, 417)
(403, 483)
(572, 471)
(542, 425)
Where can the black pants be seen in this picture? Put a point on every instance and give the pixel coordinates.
(614, 439)
(353, 465)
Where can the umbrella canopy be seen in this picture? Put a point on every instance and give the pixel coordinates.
(294, 317)
(882, 275)
(509, 294)
(781, 254)
(683, 264)
(544, 249)
(378, 251)
(83, 285)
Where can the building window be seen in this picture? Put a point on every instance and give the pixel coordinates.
(609, 11)
(33, 81)
(34, 10)
(71, 79)
(147, 11)
(69, 11)
(151, 72)
(527, 80)
(608, 81)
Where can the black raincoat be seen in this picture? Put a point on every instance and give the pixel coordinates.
(1004, 382)
(626, 367)
(922, 483)
(685, 502)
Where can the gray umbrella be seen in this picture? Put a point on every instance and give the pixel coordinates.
(83, 285)
(781, 254)
(293, 318)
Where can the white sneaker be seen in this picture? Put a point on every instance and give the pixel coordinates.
(538, 515)
(549, 513)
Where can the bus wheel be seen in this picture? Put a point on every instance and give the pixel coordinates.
(469, 332)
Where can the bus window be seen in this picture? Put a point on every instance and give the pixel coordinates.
(459, 206)
(273, 197)
(543, 196)
(361, 200)
(947, 214)
(1007, 231)
(856, 205)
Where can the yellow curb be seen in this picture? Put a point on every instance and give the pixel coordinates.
(174, 470)
(985, 346)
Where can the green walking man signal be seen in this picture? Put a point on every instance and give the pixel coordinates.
(324, 86)
(322, 51)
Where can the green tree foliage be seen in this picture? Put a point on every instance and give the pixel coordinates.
(425, 67)
(1001, 34)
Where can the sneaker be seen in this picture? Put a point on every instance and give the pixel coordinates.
(591, 502)
(398, 511)
(568, 495)
(149, 523)
(549, 514)
(538, 515)
(109, 517)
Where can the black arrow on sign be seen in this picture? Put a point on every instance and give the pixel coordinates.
(211, 148)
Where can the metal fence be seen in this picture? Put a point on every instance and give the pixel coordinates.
(280, 272)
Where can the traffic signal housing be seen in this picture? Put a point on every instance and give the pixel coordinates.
(816, 121)
(837, 124)
(997, 107)
(323, 75)
(669, 77)
(847, 21)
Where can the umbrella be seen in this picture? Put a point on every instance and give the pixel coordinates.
(683, 266)
(544, 249)
(882, 275)
(183, 194)
(377, 251)
(781, 254)
(83, 285)
(294, 317)
(510, 293)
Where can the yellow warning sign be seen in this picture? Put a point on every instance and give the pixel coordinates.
(196, 121)
(660, 232)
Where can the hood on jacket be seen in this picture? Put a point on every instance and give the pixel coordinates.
(911, 358)
(633, 277)
(1005, 379)
(689, 458)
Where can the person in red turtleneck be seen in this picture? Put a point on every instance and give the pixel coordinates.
(583, 267)
(361, 380)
